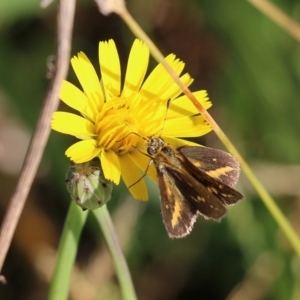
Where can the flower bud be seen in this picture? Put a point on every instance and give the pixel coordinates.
(87, 185)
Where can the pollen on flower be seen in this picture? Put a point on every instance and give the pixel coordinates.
(115, 124)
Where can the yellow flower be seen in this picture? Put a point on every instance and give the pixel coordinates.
(116, 122)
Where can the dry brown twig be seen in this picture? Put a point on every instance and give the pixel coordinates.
(34, 154)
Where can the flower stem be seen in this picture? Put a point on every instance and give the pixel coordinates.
(67, 252)
(121, 268)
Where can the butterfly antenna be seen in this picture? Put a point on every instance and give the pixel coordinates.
(129, 135)
(144, 175)
(146, 171)
(164, 122)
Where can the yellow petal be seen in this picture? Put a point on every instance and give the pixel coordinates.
(159, 82)
(144, 163)
(186, 127)
(72, 96)
(133, 178)
(111, 166)
(83, 151)
(68, 123)
(173, 90)
(182, 106)
(110, 69)
(136, 68)
(176, 143)
(87, 75)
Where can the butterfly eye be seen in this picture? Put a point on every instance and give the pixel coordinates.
(151, 150)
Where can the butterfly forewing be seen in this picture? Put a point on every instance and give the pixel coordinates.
(178, 215)
(215, 163)
(181, 200)
(223, 192)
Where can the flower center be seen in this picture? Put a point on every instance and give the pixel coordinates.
(117, 125)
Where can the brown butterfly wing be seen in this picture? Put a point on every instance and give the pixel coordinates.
(182, 198)
(214, 162)
(226, 194)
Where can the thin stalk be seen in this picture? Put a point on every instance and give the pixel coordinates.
(284, 21)
(112, 241)
(41, 134)
(67, 251)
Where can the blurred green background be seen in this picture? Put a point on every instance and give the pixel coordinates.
(251, 69)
